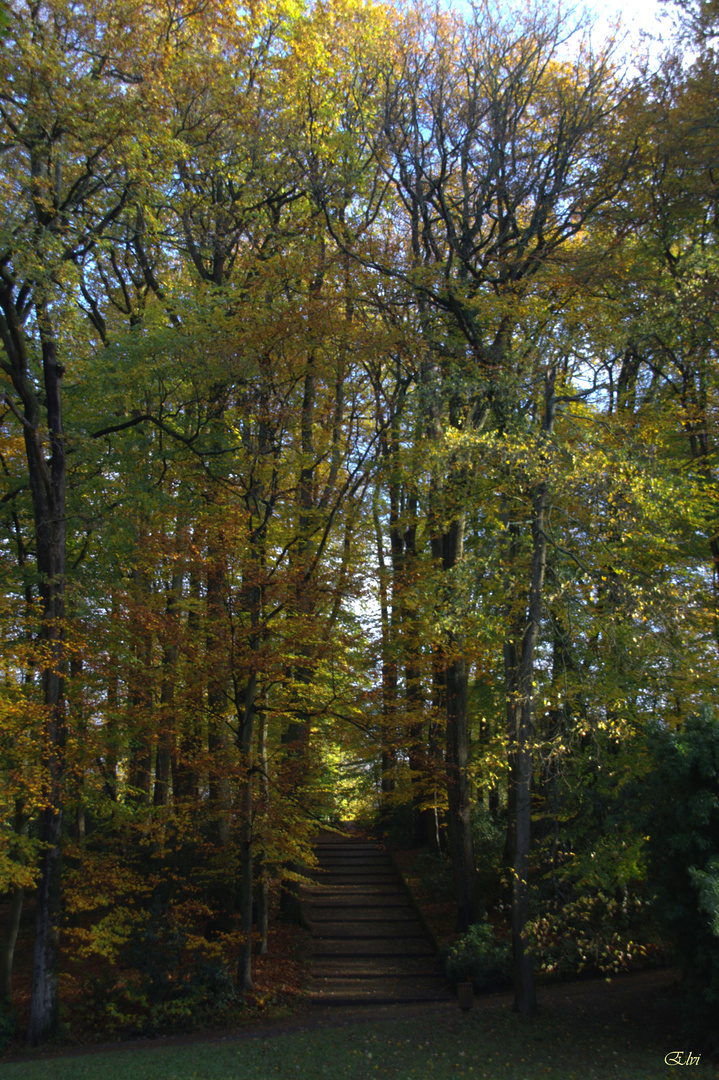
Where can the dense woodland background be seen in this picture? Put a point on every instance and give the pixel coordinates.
(358, 442)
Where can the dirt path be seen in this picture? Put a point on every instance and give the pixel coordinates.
(642, 1007)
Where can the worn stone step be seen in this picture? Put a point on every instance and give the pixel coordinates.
(333, 948)
(354, 851)
(358, 850)
(350, 852)
(322, 873)
(400, 981)
(362, 915)
(368, 967)
(370, 903)
(384, 993)
(368, 931)
(352, 866)
(368, 947)
(347, 849)
(348, 869)
(353, 892)
(371, 881)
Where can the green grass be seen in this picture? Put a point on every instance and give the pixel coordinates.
(491, 1044)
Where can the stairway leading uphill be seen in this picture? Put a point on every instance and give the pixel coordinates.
(368, 946)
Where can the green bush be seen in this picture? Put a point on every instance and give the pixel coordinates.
(480, 957)
(175, 988)
(682, 821)
(8, 1025)
(489, 832)
(592, 933)
(163, 982)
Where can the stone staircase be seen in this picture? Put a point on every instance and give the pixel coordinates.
(368, 946)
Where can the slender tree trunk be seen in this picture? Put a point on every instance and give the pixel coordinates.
(12, 926)
(522, 709)
(435, 762)
(7, 955)
(461, 842)
(415, 704)
(460, 826)
(296, 738)
(109, 772)
(446, 522)
(244, 967)
(217, 682)
(79, 713)
(263, 892)
(511, 689)
(389, 674)
(170, 653)
(185, 778)
(254, 592)
(140, 689)
(48, 481)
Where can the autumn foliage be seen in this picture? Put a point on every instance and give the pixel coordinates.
(358, 444)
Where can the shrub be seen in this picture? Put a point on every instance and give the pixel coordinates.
(593, 933)
(8, 1025)
(489, 832)
(165, 980)
(683, 826)
(478, 955)
(177, 983)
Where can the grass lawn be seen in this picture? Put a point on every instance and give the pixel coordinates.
(489, 1043)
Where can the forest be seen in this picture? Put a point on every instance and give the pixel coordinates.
(358, 440)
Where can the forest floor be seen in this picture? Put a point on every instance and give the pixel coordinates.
(593, 1029)
(590, 1029)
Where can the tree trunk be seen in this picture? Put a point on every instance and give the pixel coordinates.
(461, 842)
(217, 682)
(7, 954)
(185, 778)
(139, 693)
(388, 733)
(109, 771)
(522, 709)
(245, 741)
(48, 483)
(244, 967)
(263, 892)
(12, 925)
(170, 653)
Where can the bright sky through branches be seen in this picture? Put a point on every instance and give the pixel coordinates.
(638, 17)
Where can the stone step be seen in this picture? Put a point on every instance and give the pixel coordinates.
(350, 870)
(372, 881)
(352, 866)
(371, 878)
(368, 947)
(353, 850)
(329, 874)
(368, 931)
(334, 948)
(386, 992)
(369, 967)
(354, 892)
(361, 915)
(348, 849)
(350, 852)
(370, 903)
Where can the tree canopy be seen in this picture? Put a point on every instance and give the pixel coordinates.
(358, 441)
